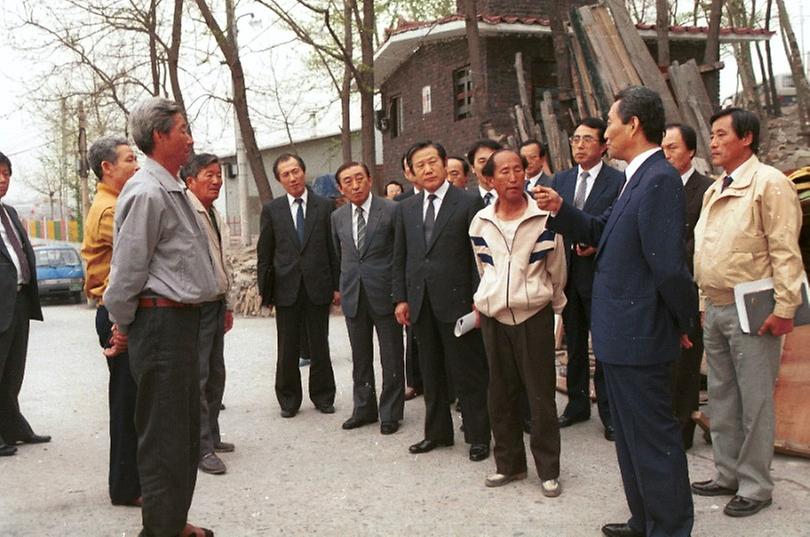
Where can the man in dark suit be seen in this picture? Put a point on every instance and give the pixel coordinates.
(413, 377)
(641, 313)
(363, 236)
(536, 164)
(680, 145)
(591, 186)
(19, 302)
(434, 278)
(297, 273)
(477, 156)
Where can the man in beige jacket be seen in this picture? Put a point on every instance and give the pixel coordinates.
(748, 230)
(203, 177)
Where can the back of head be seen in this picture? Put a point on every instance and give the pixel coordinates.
(104, 150)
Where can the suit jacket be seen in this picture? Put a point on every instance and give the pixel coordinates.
(694, 189)
(643, 296)
(284, 264)
(370, 266)
(444, 267)
(606, 188)
(8, 276)
(543, 180)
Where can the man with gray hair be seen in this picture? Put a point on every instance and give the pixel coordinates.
(161, 272)
(113, 161)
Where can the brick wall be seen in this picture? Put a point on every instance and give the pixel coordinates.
(431, 65)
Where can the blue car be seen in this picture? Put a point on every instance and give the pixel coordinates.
(59, 271)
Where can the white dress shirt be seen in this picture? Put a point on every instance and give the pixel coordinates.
(12, 254)
(366, 206)
(437, 203)
(533, 180)
(294, 206)
(635, 164)
(685, 177)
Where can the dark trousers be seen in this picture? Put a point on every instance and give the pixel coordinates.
(650, 451)
(523, 356)
(577, 322)
(440, 350)
(124, 483)
(212, 372)
(412, 373)
(164, 359)
(686, 387)
(389, 335)
(289, 322)
(13, 350)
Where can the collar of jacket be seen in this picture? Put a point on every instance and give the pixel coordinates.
(532, 211)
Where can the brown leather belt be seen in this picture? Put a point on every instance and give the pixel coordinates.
(160, 302)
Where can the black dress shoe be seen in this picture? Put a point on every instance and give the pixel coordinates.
(7, 451)
(288, 413)
(479, 452)
(621, 530)
(354, 423)
(429, 445)
(326, 409)
(610, 433)
(711, 488)
(567, 421)
(739, 506)
(389, 427)
(36, 439)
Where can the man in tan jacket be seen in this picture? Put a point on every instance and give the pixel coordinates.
(203, 176)
(748, 230)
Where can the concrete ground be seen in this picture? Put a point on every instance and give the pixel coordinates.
(306, 476)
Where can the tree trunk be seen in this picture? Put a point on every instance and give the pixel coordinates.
(366, 86)
(662, 29)
(796, 68)
(476, 64)
(231, 54)
(153, 59)
(712, 53)
(173, 56)
(777, 106)
(745, 67)
(345, 90)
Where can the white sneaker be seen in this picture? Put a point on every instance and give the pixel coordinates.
(499, 480)
(551, 488)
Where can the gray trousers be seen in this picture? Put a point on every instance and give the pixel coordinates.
(392, 360)
(212, 372)
(164, 361)
(742, 375)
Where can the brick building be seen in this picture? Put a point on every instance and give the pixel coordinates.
(422, 71)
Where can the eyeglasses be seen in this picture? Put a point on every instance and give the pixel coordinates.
(587, 140)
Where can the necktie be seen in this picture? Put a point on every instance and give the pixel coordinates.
(487, 198)
(299, 220)
(582, 188)
(726, 181)
(361, 228)
(430, 218)
(25, 270)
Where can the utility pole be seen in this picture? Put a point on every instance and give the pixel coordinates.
(83, 169)
(241, 157)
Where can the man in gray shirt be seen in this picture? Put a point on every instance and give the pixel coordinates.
(161, 272)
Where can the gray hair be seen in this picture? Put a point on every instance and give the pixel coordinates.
(153, 114)
(104, 150)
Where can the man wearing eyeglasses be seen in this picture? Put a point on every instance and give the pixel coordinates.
(591, 186)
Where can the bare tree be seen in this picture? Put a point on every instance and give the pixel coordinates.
(231, 52)
(662, 29)
(796, 68)
(476, 65)
(776, 105)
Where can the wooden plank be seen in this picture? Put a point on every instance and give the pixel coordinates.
(790, 395)
(520, 120)
(618, 52)
(560, 157)
(598, 45)
(588, 65)
(694, 103)
(584, 85)
(529, 124)
(642, 59)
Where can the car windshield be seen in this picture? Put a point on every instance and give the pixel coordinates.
(56, 257)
